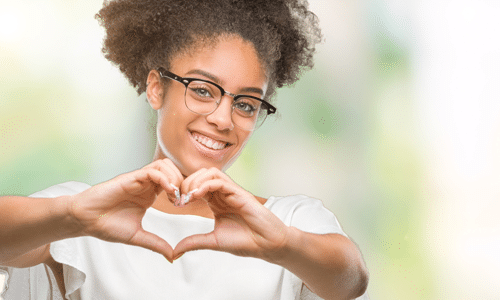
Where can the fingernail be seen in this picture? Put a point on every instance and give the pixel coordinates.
(186, 199)
(188, 196)
(177, 193)
(178, 256)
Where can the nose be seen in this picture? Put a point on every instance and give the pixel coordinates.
(222, 116)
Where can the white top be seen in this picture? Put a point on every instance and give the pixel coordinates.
(96, 269)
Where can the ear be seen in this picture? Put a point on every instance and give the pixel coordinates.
(154, 90)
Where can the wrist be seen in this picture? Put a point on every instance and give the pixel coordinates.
(288, 251)
(63, 209)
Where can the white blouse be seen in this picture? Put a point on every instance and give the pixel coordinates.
(95, 269)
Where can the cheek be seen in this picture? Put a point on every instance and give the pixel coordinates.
(170, 116)
(163, 138)
(167, 127)
(170, 123)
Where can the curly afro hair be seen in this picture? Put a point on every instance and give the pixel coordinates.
(142, 35)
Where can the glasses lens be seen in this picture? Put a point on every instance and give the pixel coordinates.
(202, 97)
(248, 113)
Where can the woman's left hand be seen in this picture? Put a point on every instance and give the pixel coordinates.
(330, 265)
(243, 226)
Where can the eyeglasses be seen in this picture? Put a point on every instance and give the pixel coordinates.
(203, 97)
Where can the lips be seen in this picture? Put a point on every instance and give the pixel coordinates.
(210, 147)
(209, 142)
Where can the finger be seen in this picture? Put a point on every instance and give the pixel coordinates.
(222, 195)
(175, 179)
(202, 175)
(215, 194)
(167, 182)
(176, 170)
(215, 185)
(187, 184)
(159, 178)
(152, 242)
(193, 183)
(196, 242)
(140, 179)
(169, 169)
(136, 181)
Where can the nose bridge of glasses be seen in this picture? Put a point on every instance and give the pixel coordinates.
(222, 115)
(232, 100)
(230, 94)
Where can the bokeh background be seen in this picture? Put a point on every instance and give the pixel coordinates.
(397, 130)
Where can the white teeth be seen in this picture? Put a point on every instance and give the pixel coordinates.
(209, 143)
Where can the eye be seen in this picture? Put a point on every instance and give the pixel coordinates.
(246, 106)
(203, 91)
(200, 91)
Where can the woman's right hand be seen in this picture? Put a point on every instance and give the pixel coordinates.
(113, 210)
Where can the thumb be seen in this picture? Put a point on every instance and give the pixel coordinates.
(152, 242)
(196, 242)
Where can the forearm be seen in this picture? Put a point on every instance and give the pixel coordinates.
(330, 265)
(26, 224)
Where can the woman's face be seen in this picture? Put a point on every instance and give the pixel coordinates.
(190, 140)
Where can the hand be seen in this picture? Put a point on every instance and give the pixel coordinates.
(113, 210)
(243, 226)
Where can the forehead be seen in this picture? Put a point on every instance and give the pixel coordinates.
(227, 58)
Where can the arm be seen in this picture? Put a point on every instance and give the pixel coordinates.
(330, 265)
(110, 211)
(29, 225)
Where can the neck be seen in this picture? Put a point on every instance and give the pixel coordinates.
(196, 208)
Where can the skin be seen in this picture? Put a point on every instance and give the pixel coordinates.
(233, 64)
(243, 226)
(330, 265)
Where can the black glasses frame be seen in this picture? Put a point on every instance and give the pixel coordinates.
(186, 81)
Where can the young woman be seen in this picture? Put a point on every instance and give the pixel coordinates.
(209, 69)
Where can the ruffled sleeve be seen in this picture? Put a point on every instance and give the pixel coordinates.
(67, 251)
(63, 189)
(305, 213)
(38, 282)
(68, 254)
(309, 215)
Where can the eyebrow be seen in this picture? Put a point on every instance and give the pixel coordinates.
(219, 82)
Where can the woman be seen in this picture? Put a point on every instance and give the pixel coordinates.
(209, 69)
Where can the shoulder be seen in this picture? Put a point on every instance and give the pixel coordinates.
(305, 213)
(62, 189)
(291, 203)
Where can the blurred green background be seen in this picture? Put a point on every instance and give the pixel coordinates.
(397, 130)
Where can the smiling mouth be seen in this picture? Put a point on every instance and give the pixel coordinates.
(209, 142)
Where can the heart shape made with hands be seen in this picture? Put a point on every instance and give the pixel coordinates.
(242, 225)
(225, 199)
